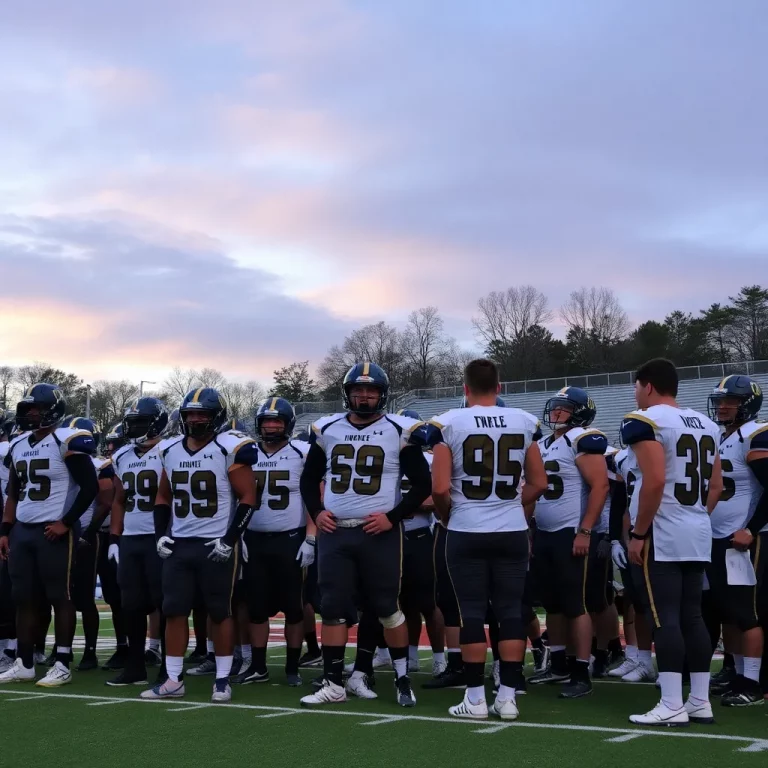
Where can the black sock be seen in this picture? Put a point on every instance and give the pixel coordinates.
(615, 647)
(473, 674)
(538, 644)
(594, 645)
(27, 655)
(511, 673)
(258, 659)
(559, 662)
(64, 658)
(455, 663)
(210, 656)
(580, 671)
(570, 663)
(310, 638)
(292, 660)
(364, 661)
(728, 661)
(601, 656)
(333, 663)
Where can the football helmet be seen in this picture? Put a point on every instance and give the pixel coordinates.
(365, 373)
(741, 388)
(275, 408)
(574, 399)
(7, 423)
(114, 439)
(174, 427)
(145, 419)
(235, 424)
(205, 400)
(409, 413)
(48, 403)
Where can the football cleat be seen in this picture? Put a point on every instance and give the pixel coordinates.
(466, 709)
(506, 710)
(661, 715)
(724, 682)
(358, 685)
(88, 662)
(39, 658)
(575, 689)
(251, 675)
(208, 667)
(117, 659)
(237, 666)
(448, 678)
(221, 691)
(168, 690)
(127, 678)
(311, 659)
(328, 693)
(152, 657)
(699, 712)
(438, 667)
(198, 656)
(57, 675)
(413, 665)
(746, 693)
(293, 679)
(541, 658)
(599, 668)
(381, 659)
(623, 669)
(549, 676)
(496, 674)
(18, 673)
(349, 668)
(405, 694)
(6, 662)
(640, 674)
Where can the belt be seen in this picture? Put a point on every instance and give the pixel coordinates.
(350, 522)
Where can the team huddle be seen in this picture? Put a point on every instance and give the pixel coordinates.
(470, 520)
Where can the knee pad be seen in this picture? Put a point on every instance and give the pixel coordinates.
(393, 621)
(511, 629)
(472, 631)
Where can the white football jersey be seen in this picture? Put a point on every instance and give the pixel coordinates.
(610, 459)
(420, 519)
(565, 501)
(488, 445)
(681, 527)
(741, 489)
(279, 506)
(4, 471)
(46, 489)
(139, 474)
(362, 469)
(99, 464)
(203, 500)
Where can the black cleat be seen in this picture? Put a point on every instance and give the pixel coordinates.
(311, 659)
(198, 656)
(549, 676)
(50, 660)
(448, 678)
(250, 675)
(293, 679)
(152, 658)
(88, 662)
(541, 658)
(599, 668)
(575, 689)
(128, 678)
(743, 693)
(405, 695)
(117, 659)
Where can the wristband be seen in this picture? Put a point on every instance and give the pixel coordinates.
(310, 540)
(5, 529)
(638, 536)
(114, 538)
(584, 531)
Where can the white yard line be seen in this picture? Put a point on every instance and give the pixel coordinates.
(746, 743)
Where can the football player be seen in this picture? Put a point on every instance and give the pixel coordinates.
(362, 456)
(280, 541)
(7, 608)
(679, 482)
(113, 440)
(737, 520)
(206, 497)
(574, 457)
(51, 486)
(132, 546)
(481, 455)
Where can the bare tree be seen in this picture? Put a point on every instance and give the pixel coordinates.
(424, 344)
(210, 377)
(242, 399)
(598, 313)
(506, 316)
(109, 399)
(7, 378)
(178, 382)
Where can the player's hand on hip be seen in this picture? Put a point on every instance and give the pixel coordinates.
(326, 522)
(221, 552)
(55, 530)
(377, 523)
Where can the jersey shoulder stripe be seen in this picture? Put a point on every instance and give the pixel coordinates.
(637, 427)
(758, 440)
(301, 447)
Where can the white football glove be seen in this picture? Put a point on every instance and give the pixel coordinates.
(164, 547)
(243, 550)
(221, 552)
(306, 554)
(113, 553)
(618, 555)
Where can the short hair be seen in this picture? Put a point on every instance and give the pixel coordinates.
(482, 377)
(661, 374)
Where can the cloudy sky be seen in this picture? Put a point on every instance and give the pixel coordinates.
(239, 183)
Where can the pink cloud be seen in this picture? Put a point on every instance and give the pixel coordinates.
(116, 85)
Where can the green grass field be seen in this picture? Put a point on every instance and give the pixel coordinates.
(87, 723)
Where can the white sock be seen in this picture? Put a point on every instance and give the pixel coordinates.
(209, 646)
(738, 662)
(174, 666)
(630, 652)
(11, 645)
(476, 695)
(671, 689)
(383, 653)
(401, 667)
(505, 693)
(223, 666)
(700, 686)
(752, 668)
(3, 645)
(245, 653)
(454, 650)
(413, 652)
(439, 657)
(357, 675)
(555, 648)
(62, 649)
(153, 644)
(645, 658)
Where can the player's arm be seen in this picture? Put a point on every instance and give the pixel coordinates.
(442, 470)
(243, 482)
(117, 521)
(650, 460)
(162, 512)
(414, 466)
(83, 474)
(535, 479)
(618, 510)
(9, 512)
(104, 498)
(757, 461)
(311, 477)
(715, 485)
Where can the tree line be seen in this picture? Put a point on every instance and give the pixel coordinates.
(510, 327)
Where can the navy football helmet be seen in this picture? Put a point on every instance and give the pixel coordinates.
(365, 373)
(235, 424)
(577, 401)
(174, 427)
(741, 388)
(145, 419)
(205, 400)
(47, 403)
(114, 440)
(409, 413)
(499, 402)
(275, 408)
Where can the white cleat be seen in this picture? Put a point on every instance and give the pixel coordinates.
(505, 709)
(381, 659)
(349, 668)
(626, 666)
(330, 693)
(168, 690)
(221, 692)
(38, 658)
(6, 662)
(57, 675)
(470, 711)
(18, 673)
(699, 712)
(438, 667)
(357, 685)
(662, 715)
(641, 674)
